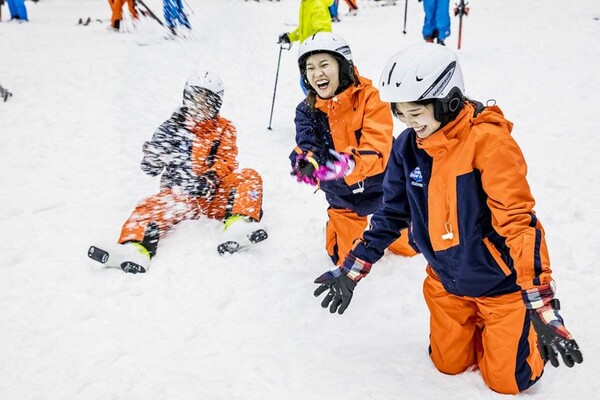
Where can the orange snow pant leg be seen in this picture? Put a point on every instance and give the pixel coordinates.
(352, 4)
(401, 246)
(117, 10)
(345, 226)
(493, 333)
(165, 209)
(239, 193)
(132, 10)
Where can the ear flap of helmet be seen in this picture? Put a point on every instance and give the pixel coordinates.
(447, 109)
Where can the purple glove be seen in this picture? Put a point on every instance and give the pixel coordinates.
(342, 166)
(305, 169)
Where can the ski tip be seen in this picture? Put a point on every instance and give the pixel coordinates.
(98, 254)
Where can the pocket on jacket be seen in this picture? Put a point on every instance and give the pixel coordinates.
(497, 256)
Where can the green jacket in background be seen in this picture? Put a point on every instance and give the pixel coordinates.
(314, 17)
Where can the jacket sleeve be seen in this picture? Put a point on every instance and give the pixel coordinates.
(372, 154)
(224, 160)
(503, 175)
(393, 216)
(311, 129)
(165, 139)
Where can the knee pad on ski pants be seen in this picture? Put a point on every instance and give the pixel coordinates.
(492, 333)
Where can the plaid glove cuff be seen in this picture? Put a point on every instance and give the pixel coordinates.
(355, 268)
(541, 301)
(539, 297)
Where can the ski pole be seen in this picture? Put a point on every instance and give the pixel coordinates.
(405, 9)
(276, 78)
(460, 10)
(149, 11)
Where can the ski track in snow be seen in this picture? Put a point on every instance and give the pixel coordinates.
(246, 326)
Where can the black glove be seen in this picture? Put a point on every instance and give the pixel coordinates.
(284, 38)
(555, 339)
(340, 293)
(304, 169)
(205, 186)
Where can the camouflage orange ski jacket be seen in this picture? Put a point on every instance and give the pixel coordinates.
(190, 149)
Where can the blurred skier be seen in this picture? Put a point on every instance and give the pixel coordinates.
(313, 17)
(195, 153)
(352, 7)
(17, 9)
(343, 141)
(117, 12)
(436, 25)
(174, 15)
(4, 93)
(458, 178)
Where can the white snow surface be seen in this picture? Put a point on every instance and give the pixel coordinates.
(246, 326)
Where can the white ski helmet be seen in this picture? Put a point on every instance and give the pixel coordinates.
(328, 42)
(421, 72)
(204, 80)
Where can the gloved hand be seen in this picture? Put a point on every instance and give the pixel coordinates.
(341, 166)
(205, 186)
(341, 283)
(284, 38)
(304, 169)
(152, 162)
(553, 337)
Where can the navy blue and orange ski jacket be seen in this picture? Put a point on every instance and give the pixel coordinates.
(356, 122)
(465, 192)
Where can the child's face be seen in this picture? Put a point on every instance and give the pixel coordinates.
(203, 105)
(323, 74)
(419, 117)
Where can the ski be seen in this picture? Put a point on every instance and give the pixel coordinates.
(149, 12)
(104, 257)
(232, 246)
(460, 10)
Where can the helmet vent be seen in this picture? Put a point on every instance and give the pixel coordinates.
(390, 77)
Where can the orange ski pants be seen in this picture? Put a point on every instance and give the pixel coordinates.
(494, 334)
(352, 4)
(117, 9)
(238, 193)
(345, 226)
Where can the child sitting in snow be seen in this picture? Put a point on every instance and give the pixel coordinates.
(195, 153)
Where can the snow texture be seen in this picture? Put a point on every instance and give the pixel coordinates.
(246, 326)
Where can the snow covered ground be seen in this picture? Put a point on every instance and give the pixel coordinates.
(200, 326)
